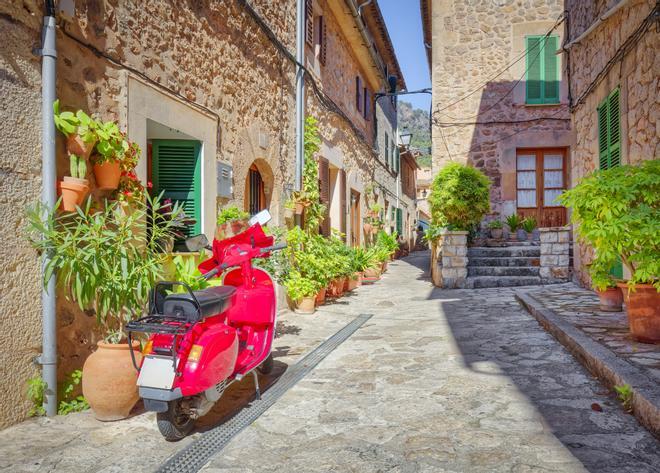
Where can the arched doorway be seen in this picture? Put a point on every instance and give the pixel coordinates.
(258, 187)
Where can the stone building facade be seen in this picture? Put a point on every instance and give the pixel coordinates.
(206, 73)
(634, 74)
(500, 99)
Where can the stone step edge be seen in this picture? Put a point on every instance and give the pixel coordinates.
(600, 361)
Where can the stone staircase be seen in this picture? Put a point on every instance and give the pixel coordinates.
(505, 266)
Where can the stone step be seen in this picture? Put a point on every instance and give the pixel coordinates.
(477, 282)
(505, 261)
(503, 271)
(500, 252)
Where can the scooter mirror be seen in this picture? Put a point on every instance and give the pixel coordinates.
(197, 242)
(261, 218)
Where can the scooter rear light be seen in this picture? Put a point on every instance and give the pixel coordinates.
(195, 353)
(148, 347)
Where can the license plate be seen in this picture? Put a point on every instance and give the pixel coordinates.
(156, 372)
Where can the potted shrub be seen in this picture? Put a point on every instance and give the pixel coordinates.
(513, 221)
(616, 211)
(302, 291)
(529, 225)
(373, 266)
(104, 268)
(78, 128)
(495, 227)
(109, 151)
(74, 188)
(231, 221)
(609, 294)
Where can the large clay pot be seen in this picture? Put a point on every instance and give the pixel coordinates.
(371, 275)
(496, 233)
(306, 305)
(383, 267)
(108, 381)
(320, 297)
(73, 192)
(643, 309)
(351, 283)
(107, 175)
(336, 287)
(611, 299)
(76, 145)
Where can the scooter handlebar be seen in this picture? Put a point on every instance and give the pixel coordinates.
(215, 271)
(268, 249)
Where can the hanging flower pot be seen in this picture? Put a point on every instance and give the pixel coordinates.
(76, 145)
(289, 213)
(643, 309)
(109, 380)
(611, 299)
(73, 192)
(107, 175)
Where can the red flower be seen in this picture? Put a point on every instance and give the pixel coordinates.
(149, 185)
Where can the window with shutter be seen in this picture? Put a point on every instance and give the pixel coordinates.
(609, 131)
(367, 103)
(176, 173)
(309, 22)
(324, 191)
(542, 70)
(358, 93)
(342, 201)
(399, 221)
(323, 40)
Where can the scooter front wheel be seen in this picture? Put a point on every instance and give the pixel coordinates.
(266, 366)
(174, 423)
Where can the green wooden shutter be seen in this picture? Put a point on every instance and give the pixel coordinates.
(534, 70)
(603, 133)
(399, 221)
(614, 128)
(550, 70)
(177, 174)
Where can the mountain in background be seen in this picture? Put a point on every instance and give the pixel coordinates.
(416, 121)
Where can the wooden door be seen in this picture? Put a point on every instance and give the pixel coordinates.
(356, 225)
(541, 178)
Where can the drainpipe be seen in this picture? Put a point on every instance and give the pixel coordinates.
(300, 92)
(596, 23)
(48, 358)
(365, 35)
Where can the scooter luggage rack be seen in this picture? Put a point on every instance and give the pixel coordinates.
(157, 322)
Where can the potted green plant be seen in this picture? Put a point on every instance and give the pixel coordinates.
(110, 149)
(103, 267)
(74, 188)
(78, 128)
(495, 227)
(513, 221)
(617, 211)
(609, 294)
(529, 225)
(302, 291)
(233, 219)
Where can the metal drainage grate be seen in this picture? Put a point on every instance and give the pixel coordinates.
(195, 455)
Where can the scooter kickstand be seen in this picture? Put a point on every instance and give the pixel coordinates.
(256, 385)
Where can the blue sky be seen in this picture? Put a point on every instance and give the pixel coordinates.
(404, 24)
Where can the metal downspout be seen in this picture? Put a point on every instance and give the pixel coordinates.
(365, 35)
(596, 23)
(300, 93)
(48, 358)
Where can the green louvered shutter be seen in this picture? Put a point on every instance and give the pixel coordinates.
(603, 134)
(177, 174)
(534, 70)
(550, 70)
(614, 128)
(399, 221)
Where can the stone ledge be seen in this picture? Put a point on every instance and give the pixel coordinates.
(602, 362)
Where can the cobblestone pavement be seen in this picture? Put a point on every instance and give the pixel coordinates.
(435, 381)
(439, 381)
(580, 307)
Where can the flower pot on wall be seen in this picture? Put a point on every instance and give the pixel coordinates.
(611, 299)
(73, 192)
(306, 305)
(76, 145)
(643, 309)
(107, 175)
(108, 381)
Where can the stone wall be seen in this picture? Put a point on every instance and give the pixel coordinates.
(636, 75)
(472, 42)
(555, 257)
(449, 265)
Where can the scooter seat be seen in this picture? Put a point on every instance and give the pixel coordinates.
(212, 301)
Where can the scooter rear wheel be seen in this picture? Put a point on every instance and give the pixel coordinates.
(174, 423)
(266, 366)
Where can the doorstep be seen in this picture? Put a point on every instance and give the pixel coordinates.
(601, 342)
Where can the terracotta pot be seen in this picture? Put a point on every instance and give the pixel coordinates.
(107, 175)
(359, 280)
(73, 192)
(611, 299)
(371, 275)
(383, 267)
(336, 287)
(306, 305)
(299, 208)
(643, 309)
(108, 381)
(513, 236)
(320, 297)
(76, 145)
(351, 283)
(367, 227)
(496, 233)
(530, 236)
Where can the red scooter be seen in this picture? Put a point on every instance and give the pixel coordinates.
(202, 341)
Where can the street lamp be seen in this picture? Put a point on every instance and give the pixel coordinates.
(405, 139)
